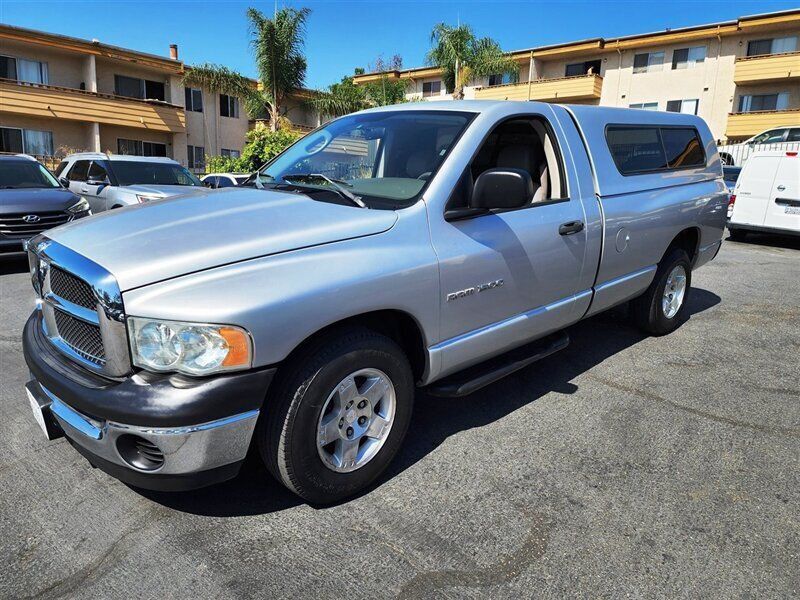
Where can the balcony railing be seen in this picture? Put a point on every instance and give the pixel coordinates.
(38, 100)
(561, 89)
(767, 68)
(747, 124)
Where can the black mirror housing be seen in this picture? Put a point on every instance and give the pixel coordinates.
(502, 188)
(64, 181)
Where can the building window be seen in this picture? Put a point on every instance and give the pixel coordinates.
(140, 148)
(688, 107)
(431, 88)
(197, 157)
(20, 69)
(230, 153)
(772, 46)
(645, 106)
(649, 61)
(10, 140)
(499, 79)
(28, 141)
(590, 67)
(688, 57)
(644, 149)
(143, 89)
(758, 102)
(228, 106)
(194, 100)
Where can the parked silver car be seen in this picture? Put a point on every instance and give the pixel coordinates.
(114, 180)
(404, 246)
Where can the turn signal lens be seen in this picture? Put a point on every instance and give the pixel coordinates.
(238, 347)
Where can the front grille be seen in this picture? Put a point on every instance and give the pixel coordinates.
(15, 225)
(84, 338)
(70, 288)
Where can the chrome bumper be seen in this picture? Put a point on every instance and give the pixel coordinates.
(186, 450)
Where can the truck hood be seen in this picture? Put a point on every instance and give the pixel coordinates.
(147, 243)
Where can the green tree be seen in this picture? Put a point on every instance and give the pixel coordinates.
(346, 97)
(262, 145)
(278, 49)
(462, 57)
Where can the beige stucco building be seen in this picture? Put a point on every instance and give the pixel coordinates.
(60, 94)
(741, 76)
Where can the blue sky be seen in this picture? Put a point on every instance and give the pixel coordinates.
(347, 34)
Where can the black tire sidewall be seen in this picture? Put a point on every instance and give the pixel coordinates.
(299, 463)
(658, 322)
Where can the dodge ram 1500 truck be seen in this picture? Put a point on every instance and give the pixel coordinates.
(440, 245)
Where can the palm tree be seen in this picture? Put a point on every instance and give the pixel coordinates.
(278, 48)
(462, 57)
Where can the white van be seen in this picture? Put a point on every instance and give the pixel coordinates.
(767, 195)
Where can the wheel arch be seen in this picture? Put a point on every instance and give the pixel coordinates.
(398, 325)
(689, 240)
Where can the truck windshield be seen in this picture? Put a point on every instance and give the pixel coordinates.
(138, 173)
(384, 159)
(16, 174)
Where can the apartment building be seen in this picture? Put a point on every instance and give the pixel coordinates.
(60, 94)
(742, 76)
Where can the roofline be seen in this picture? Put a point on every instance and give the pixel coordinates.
(732, 27)
(65, 42)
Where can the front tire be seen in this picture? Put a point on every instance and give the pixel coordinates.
(338, 415)
(663, 306)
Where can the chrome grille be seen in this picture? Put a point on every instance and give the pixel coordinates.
(70, 288)
(84, 338)
(15, 224)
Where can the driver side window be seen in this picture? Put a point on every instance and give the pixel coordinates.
(525, 144)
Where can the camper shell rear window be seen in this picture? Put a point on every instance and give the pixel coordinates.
(638, 149)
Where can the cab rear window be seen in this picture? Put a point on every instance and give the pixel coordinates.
(640, 149)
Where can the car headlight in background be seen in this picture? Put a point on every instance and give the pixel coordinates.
(189, 348)
(142, 198)
(80, 206)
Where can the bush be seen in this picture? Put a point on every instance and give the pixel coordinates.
(262, 145)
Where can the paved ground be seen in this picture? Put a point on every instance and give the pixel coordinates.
(622, 466)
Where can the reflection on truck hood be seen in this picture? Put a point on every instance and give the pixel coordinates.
(151, 242)
(163, 190)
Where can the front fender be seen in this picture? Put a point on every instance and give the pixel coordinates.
(285, 298)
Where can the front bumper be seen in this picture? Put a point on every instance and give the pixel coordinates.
(201, 428)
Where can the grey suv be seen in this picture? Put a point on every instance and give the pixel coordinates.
(112, 181)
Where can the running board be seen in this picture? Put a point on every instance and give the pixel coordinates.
(474, 378)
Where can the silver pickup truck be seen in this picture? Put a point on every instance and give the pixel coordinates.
(439, 246)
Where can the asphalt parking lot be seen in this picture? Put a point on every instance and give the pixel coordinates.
(622, 466)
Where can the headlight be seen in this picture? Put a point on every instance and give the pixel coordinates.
(190, 348)
(80, 206)
(147, 197)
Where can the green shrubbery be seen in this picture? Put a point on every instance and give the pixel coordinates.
(262, 145)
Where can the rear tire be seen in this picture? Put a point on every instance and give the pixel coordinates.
(663, 306)
(311, 402)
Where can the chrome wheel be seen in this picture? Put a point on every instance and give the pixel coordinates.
(674, 292)
(356, 420)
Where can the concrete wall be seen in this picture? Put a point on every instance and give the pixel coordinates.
(68, 136)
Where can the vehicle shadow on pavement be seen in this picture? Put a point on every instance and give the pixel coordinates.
(434, 420)
(769, 240)
(10, 265)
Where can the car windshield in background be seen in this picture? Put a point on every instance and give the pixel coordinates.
(384, 159)
(17, 174)
(731, 173)
(240, 179)
(143, 173)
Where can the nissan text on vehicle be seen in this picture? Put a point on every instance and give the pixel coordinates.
(391, 249)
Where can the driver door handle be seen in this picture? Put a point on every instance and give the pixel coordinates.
(570, 227)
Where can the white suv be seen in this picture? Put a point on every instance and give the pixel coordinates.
(111, 181)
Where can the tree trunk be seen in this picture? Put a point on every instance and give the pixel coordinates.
(273, 118)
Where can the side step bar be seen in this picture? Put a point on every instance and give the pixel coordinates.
(474, 378)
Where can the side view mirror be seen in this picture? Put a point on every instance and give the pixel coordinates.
(64, 181)
(502, 188)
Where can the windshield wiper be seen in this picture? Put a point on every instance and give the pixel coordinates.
(342, 191)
